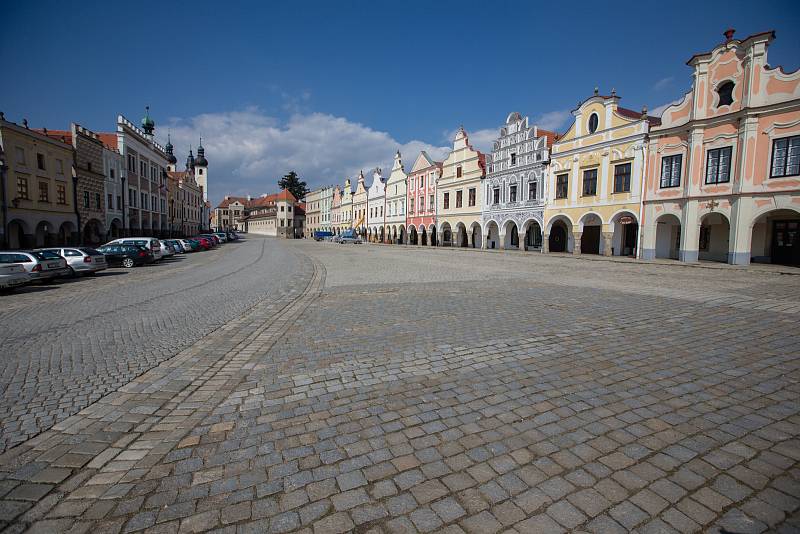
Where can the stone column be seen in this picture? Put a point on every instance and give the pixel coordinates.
(469, 239)
(576, 248)
(545, 243)
(607, 236)
(501, 241)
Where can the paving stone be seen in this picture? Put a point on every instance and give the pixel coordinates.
(334, 524)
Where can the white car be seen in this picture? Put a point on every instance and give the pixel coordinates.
(166, 249)
(147, 242)
(82, 260)
(13, 275)
(187, 245)
(40, 265)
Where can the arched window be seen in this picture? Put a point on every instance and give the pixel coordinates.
(725, 92)
(593, 122)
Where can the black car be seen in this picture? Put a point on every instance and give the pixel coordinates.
(127, 255)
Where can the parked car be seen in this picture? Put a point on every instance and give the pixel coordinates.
(222, 236)
(211, 237)
(81, 260)
(233, 236)
(40, 265)
(147, 242)
(190, 245)
(127, 255)
(176, 245)
(352, 239)
(205, 243)
(166, 249)
(12, 276)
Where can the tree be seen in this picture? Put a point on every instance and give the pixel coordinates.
(294, 184)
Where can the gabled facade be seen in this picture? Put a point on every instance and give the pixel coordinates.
(114, 188)
(421, 201)
(360, 206)
(376, 204)
(514, 189)
(395, 220)
(724, 165)
(595, 181)
(460, 195)
(346, 207)
(336, 209)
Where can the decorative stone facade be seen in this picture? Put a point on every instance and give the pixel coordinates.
(396, 186)
(514, 189)
(724, 166)
(595, 181)
(376, 206)
(90, 185)
(460, 195)
(421, 202)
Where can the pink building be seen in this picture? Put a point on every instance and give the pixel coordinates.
(723, 168)
(421, 200)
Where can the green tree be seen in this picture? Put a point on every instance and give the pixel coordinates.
(294, 184)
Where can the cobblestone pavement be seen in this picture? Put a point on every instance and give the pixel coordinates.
(403, 390)
(67, 345)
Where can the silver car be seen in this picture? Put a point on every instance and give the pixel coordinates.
(167, 249)
(12, 275)
(81, 260)
(40, 265)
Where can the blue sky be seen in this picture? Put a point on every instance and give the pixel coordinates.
(329, 88)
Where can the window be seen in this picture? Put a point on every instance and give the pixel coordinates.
(593, 123)
(289, 209)
(143, 169)
(590, 182)
(131, 198)
(718, 165)
(471, 196)
(458, 172)
(61, 193)
(143, 198)
(20, 155)
(110, 201)
(421, 182)
(562, 185)
(111, 173)
(97, 201)
(44, 192)
(281, 208)
(201, 171)
(622, 178)
(89, 166)
(40, 161)
(496, 195)
(459, 198)
(60, 166)
(671, 171)
(446, 201)
(512, 197)
(785, 157)
(85, 199)
(532, 190)
(725, 92)
(513, 158)
(412, 183)
(119, 202)
(22, 187)
(421, 203)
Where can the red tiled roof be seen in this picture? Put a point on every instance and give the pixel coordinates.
(631, 114)
(109, 139)
(300, 208)
(56, 134)
(286, 195)
(551, 136)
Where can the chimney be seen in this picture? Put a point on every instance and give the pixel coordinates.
(729, 35)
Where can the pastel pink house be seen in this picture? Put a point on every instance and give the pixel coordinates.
(723, 168)
(421, 200)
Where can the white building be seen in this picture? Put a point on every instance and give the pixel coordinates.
(514, 195)
(396, 201)
(376, 205)
(146, 171)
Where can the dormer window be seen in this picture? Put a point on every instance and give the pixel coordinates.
(725, 92)
(593, 123)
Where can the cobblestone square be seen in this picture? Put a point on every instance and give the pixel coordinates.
(294, 386)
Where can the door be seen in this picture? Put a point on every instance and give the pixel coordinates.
(786, 242)
(558, 238)
(629, 239)
(590, 240)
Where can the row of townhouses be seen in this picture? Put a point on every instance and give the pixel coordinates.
(715, 177)
(77, 186)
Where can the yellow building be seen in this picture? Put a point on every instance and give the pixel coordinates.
(595, 180)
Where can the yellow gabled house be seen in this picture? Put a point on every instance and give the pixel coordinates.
(595, 180)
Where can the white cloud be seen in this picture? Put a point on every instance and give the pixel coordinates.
(249, 151)
(663, 83)
(553, 120)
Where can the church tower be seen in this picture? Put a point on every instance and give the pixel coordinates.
(201, 169)
(171, 159)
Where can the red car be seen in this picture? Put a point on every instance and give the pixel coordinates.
(205, 243)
